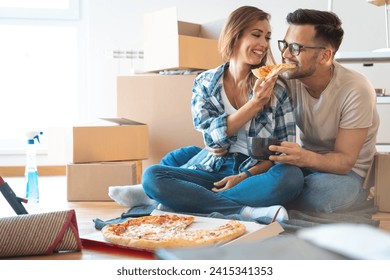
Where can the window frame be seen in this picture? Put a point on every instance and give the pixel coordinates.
(71, 13)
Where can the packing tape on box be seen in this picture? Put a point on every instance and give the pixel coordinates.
(39, 234)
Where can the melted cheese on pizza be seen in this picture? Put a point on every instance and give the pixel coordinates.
(172, 231)
(169, 231)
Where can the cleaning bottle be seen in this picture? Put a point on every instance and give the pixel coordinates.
(31, 173)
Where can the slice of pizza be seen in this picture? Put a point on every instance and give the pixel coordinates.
(169, 231)
(271, 70)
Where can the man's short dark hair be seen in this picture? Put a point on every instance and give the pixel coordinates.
(326, 24)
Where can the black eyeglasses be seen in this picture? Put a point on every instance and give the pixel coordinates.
(294, 48)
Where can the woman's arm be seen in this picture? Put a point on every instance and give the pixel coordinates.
(262, 91)
(210, 118)
(231, 181)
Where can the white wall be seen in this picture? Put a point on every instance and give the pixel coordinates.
(117, 24)
(107, 25)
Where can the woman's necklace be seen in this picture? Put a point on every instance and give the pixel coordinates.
(233, 92)
(236, 103)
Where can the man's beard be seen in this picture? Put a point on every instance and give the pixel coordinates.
(298, 74)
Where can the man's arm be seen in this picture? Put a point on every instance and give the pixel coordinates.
(347, 148)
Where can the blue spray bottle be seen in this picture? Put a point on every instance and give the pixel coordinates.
(31, 173)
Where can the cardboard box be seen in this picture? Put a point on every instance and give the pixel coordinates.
(164, 103)
(110, 140)
(378, 180)
(382, 181)
(173, 44)
(90, 181)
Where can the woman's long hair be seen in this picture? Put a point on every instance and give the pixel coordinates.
(239, 20)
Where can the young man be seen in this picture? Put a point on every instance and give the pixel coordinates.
(335, 110)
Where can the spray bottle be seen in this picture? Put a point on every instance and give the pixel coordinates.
(31, 173)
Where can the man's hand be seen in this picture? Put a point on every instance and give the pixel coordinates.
(290, 153)
(341, 160)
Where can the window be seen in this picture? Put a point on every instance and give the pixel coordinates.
(39, 72)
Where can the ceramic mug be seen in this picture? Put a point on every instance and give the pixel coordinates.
(258, 147)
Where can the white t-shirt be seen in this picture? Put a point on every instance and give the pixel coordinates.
(241, 145)
(348, 102)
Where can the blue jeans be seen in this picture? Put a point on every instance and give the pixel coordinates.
(326, 192)
(180, 156)
(189, 190)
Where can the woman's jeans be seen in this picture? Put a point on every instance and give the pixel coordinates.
(189, 190)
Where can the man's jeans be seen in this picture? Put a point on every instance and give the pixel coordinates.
(326, 192)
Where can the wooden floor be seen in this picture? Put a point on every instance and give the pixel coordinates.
(53, 198)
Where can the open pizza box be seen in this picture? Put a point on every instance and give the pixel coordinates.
(254, 232)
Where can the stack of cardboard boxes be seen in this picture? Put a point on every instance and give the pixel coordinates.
(163, 102)
(105, 153)
(110, 155)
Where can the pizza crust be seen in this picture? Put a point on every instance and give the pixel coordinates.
(169, 231)
(271, 70)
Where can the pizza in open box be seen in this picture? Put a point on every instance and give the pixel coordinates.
(169, 231)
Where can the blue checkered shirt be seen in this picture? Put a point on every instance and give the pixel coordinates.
(210, 118)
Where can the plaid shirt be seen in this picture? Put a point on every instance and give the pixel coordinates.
(210, 118)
